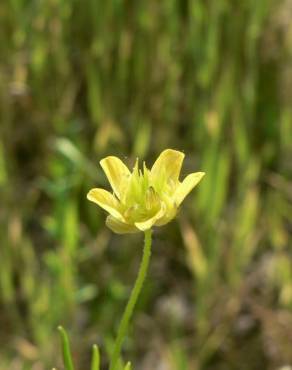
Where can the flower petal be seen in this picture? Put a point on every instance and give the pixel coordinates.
(168, 216)
(106, 201)
(117, 172)
(168, 165)
(186, 186)
(120, 227)
(147, 224)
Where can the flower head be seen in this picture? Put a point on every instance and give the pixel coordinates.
(143, 198)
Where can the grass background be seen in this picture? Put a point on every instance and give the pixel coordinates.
(80, 80)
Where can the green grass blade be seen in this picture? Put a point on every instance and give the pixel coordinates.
(95, 361)
(128, 366)
(66, 349)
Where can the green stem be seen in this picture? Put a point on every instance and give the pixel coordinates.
(132, 300)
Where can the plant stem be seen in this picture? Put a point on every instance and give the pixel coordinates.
(132, 300)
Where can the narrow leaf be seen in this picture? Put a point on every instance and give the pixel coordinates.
(95, 361)
(67, 358)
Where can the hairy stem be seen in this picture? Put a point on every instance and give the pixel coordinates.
(122, 331)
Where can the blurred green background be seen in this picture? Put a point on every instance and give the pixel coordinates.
(80, 80)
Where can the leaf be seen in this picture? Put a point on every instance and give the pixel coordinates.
(67, 358)
(128, 366)
(95, 361)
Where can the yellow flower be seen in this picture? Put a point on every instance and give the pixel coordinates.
(143, 198)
